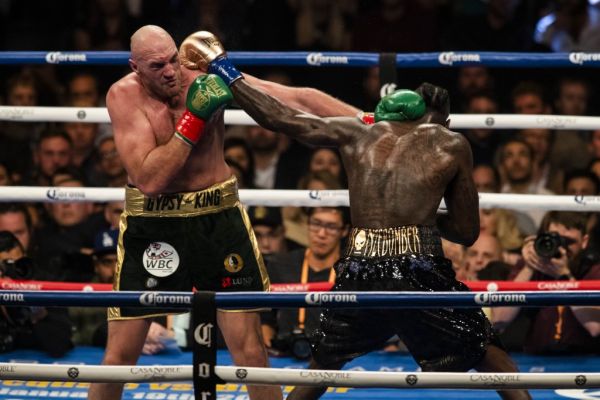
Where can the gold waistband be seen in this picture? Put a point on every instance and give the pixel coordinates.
(217, 197)
(393, 241)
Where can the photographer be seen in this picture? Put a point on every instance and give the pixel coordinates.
(556, 253)
(287, 331)
(40, 328)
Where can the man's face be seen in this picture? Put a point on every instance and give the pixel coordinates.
(112, 213)
(517, 163)
(482, 252)
(580, 240)
(104, 266)
(595, 144)
(15, 223)
(539, 140)
(83, 89)
(271, 239)
(326, 160)
(54, 153)
(325, 232)
(82, 134)
(23, 95)
(485, 180)
(473, 79)
(159, 70)
(529, 103)
(573, 99)
(239, 155)
(110, 163)
(581, 186)
(262, 140)
(68, 214)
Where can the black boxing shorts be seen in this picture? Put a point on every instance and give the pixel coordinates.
(407, 258)
(181, 241)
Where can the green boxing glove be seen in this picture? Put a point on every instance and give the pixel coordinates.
(402, 105)
(206, 95)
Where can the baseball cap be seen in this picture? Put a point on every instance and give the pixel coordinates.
(106, 241)
(270, 216)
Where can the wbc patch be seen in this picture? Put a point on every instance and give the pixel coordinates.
(160, 259)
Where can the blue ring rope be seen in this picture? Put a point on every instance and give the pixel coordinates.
(447, 59)
(302, 299)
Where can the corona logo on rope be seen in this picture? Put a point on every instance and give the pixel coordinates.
(317, 59)
(485, 298)
(450, 57)
(580, 58)
(60, 194)
(155, 299)
(56, 57)
(328, 298)
(12, 297)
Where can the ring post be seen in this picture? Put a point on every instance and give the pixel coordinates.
(204, 317)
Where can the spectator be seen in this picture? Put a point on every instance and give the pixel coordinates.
(83, 88)
(328, 159)
(572, 98)
(5, 175)
(391, 25)
(485, 250)
(327, 227)
(473, 80)
(295, 219)
(582, 183)
(545, 174)
(487, 178)
(322, 24)
(112, 213)
(483, 141)
(39, 328)
(53, 151)
(238, 151)
(15, 218)
(108, 27)
(66, 241)
(504, 225)
(516, 167)
(558, 329)
(594, 167)
(111, 170)
(267, 224)
(90, 325)
(573, 26)
(528, 97)
(83, 135)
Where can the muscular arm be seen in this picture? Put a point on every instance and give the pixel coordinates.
(276, 116)
(150, 167)
(305, 99)
(461, 224)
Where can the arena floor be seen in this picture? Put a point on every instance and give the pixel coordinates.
(20, 390)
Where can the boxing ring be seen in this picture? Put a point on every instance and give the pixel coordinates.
(28, 374)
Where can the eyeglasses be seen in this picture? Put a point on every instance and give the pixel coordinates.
(315, 226)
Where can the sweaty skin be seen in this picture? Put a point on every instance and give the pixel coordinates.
(398, 172)
(144, 107)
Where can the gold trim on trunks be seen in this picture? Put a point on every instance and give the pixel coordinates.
(215, 198)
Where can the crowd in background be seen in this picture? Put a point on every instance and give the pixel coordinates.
(77, 241)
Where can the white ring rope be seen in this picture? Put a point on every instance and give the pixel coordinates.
(287, 376)
(239, 117)
(299, 198)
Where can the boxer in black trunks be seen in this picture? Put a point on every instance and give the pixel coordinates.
(400, 165)
(399, 169)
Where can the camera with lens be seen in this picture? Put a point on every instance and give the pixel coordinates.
(295, 343)
(547, 244)
(21, 268)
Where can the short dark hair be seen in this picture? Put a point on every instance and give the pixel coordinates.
(344, 212)
(569, 219)
(8, 241)
(52, 133)
(528, 87)
(6, 208)
(582, 173)
(514, 139)
(437, 99)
